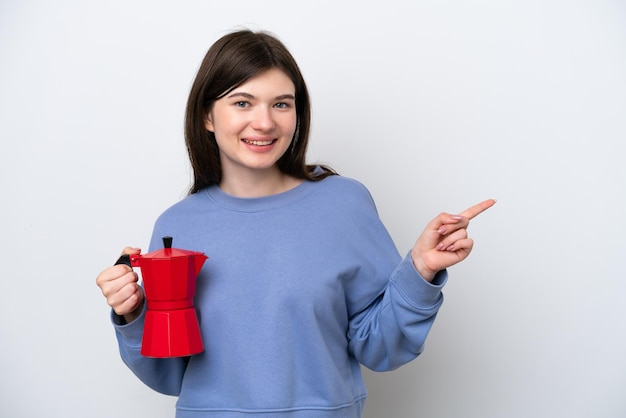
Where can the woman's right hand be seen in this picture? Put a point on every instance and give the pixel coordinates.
(120, 287)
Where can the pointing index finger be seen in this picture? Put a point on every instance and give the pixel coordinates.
(476, 210)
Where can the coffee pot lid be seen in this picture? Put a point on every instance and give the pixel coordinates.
(168, 252)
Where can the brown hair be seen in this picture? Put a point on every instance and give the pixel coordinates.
(231, 61)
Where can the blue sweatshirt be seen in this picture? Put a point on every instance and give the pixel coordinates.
(299, 290)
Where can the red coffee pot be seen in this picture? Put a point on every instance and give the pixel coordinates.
(169, 275)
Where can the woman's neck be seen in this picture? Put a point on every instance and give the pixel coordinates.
(258, 184)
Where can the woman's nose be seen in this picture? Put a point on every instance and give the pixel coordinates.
(263, 120)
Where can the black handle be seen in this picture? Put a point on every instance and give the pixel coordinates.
(124, 259)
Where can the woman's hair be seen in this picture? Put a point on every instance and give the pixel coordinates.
(230, 62)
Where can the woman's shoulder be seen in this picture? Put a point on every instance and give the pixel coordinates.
(344, 183)
(187, 205)
(347, 189)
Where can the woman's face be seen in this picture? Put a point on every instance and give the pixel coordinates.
(254, 124)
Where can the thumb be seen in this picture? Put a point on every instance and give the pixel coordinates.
(131, 251)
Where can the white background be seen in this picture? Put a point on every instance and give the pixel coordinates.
(433, 105)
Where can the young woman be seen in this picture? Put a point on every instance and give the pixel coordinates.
(303, 284)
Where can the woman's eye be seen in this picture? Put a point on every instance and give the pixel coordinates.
(241, 104)
(282, 105)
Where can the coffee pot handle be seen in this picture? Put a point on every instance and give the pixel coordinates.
(124, 259)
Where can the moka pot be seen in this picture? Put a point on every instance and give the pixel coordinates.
(171, 327)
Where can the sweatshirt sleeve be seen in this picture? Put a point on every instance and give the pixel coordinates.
(392, 329)
(165, 375)
(391, 306)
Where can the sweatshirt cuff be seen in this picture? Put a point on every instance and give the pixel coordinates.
(414, 287)
(132, 331)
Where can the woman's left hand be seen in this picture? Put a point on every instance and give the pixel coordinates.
(444, 242)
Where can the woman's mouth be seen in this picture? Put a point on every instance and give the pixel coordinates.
(258, 142)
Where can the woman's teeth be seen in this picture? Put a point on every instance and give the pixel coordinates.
(258, 143)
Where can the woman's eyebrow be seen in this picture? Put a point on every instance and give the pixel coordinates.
(250, 96)
(241, 94)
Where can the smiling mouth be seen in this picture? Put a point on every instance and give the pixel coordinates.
(259, 143)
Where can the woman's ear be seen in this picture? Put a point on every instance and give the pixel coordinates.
(208, 123)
